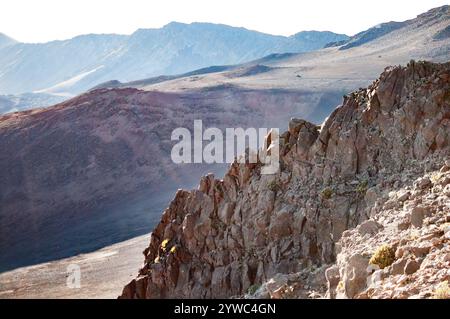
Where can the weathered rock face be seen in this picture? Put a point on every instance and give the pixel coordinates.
(422, 252)
(230, 236)
(60, 166)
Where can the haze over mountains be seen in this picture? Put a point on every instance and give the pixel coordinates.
(73, 66)
(343, 65)
(6, 41)
(66, 161)
(14, 103)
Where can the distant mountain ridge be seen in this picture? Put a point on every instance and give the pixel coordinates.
(72, 66)
(25, 101)
(150, 56)
(388, 27)
(422, 38)
(6, 41)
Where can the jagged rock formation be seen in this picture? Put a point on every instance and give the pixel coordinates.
(66, 162)
(412, 225)
(230, 236)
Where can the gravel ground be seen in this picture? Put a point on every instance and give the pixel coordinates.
(103, 274)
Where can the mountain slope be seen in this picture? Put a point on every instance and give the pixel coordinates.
(386, 28)
(6, 41)
(68, 162)
(75, 65)
(229, 236)
(422, 38)
(315, 40)
(179, 48)
(21, 102)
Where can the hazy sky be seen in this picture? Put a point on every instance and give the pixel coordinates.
(44, 20)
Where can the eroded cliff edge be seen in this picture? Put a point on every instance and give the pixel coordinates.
(230, 236)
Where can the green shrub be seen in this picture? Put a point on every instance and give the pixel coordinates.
(253, 289)
(326, 193)
(164, 244)
(362, 187)
(442, 291)
(383, 257)
(273, 186)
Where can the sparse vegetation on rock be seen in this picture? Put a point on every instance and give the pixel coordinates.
(326, 193)
(383, 257)
(287, 241)
(361, 189)
(253, 288)
(273, 186)
(442, 291)
(164, 244)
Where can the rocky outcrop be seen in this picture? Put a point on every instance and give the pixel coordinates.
(414, 224)
(64, 164)
(278, 235)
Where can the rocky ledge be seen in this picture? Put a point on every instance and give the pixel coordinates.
(359, 208)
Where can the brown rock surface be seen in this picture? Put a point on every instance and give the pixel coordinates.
(67, 164)
(382, 138)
